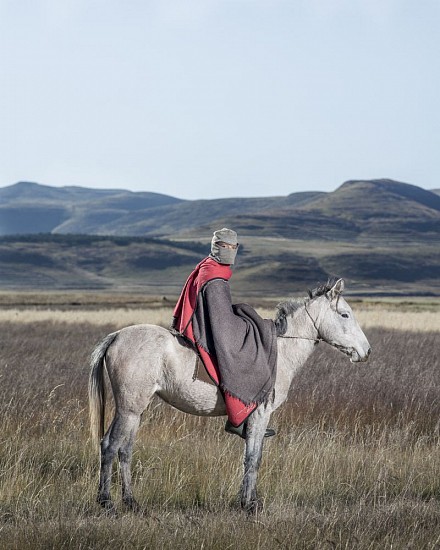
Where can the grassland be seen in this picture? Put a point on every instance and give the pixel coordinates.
(265, 265)
(355, 464)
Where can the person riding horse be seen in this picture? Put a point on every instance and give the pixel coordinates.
(237, 347)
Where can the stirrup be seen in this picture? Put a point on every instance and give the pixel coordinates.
(241, 430)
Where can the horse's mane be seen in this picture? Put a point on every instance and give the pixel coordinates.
(284, 309)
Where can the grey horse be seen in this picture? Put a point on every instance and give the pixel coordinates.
(147, 360)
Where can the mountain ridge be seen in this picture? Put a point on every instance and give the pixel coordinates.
(382, 236)
(356, 209)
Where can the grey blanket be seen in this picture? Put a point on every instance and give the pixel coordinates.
(243, 343)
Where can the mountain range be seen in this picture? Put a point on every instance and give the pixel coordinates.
(382, 235)
(357, 209)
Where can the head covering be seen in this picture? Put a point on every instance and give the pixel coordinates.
(220, 254)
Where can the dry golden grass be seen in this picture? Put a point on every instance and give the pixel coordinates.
(355, 464)
(382, 316)
(119, 317)
(368, 317)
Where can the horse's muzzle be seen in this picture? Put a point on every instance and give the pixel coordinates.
(356, 358)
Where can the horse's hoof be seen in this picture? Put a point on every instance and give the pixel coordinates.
(255, 508)
(252, 508)
(107, 505)
(133, 505)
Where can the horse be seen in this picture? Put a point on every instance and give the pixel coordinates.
(146, 360)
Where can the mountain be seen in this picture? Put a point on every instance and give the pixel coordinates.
(381, 235)
(356, 210)
(28, 207)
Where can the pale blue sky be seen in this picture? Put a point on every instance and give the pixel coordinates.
(219, 98)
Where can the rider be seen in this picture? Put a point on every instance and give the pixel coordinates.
(224, 335)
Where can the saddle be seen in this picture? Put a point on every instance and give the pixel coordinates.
(200, 372)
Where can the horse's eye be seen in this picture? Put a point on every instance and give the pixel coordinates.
(345, 315)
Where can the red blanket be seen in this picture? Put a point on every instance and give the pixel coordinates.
(205, 271)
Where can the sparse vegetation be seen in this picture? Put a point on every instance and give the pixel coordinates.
(355, 464)
(266, 265)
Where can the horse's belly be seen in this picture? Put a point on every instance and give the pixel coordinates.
(194, 397)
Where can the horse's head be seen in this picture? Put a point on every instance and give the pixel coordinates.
(335, 322)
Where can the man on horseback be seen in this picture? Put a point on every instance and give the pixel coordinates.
(237, 346)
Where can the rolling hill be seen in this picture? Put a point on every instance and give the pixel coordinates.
(357, 209)
(264, 267)
(381, 235)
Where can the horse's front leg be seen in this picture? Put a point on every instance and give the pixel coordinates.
(255, 430)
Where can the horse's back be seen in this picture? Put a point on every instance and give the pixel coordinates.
(134, 363)
(143, 336)
(147, 359)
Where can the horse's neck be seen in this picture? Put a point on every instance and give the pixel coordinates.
(294, 348)
(301, 325)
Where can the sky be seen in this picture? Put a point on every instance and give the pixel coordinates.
(205, 99)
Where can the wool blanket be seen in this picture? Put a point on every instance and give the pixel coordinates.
(237, 346)
(205, 271)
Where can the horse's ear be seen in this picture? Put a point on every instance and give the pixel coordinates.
(337, 289)
(281, 321)
(281, 326)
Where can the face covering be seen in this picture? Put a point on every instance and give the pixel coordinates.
(220, 254)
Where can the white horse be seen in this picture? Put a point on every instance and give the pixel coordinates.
(147, 360)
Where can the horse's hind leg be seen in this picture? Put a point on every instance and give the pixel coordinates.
(122, 429)
(107, 455)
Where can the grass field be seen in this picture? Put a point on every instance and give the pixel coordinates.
(355, 464)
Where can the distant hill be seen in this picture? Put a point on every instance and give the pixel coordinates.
(356, 210)
(381, 235)
(381, 207)
(28, 207)
(265, 266)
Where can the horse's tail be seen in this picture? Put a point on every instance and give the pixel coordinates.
(97, 387)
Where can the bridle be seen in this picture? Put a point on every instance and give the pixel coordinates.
(318, 336)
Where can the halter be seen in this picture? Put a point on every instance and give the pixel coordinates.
(318, 336)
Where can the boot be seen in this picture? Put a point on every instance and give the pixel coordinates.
(241, 430)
